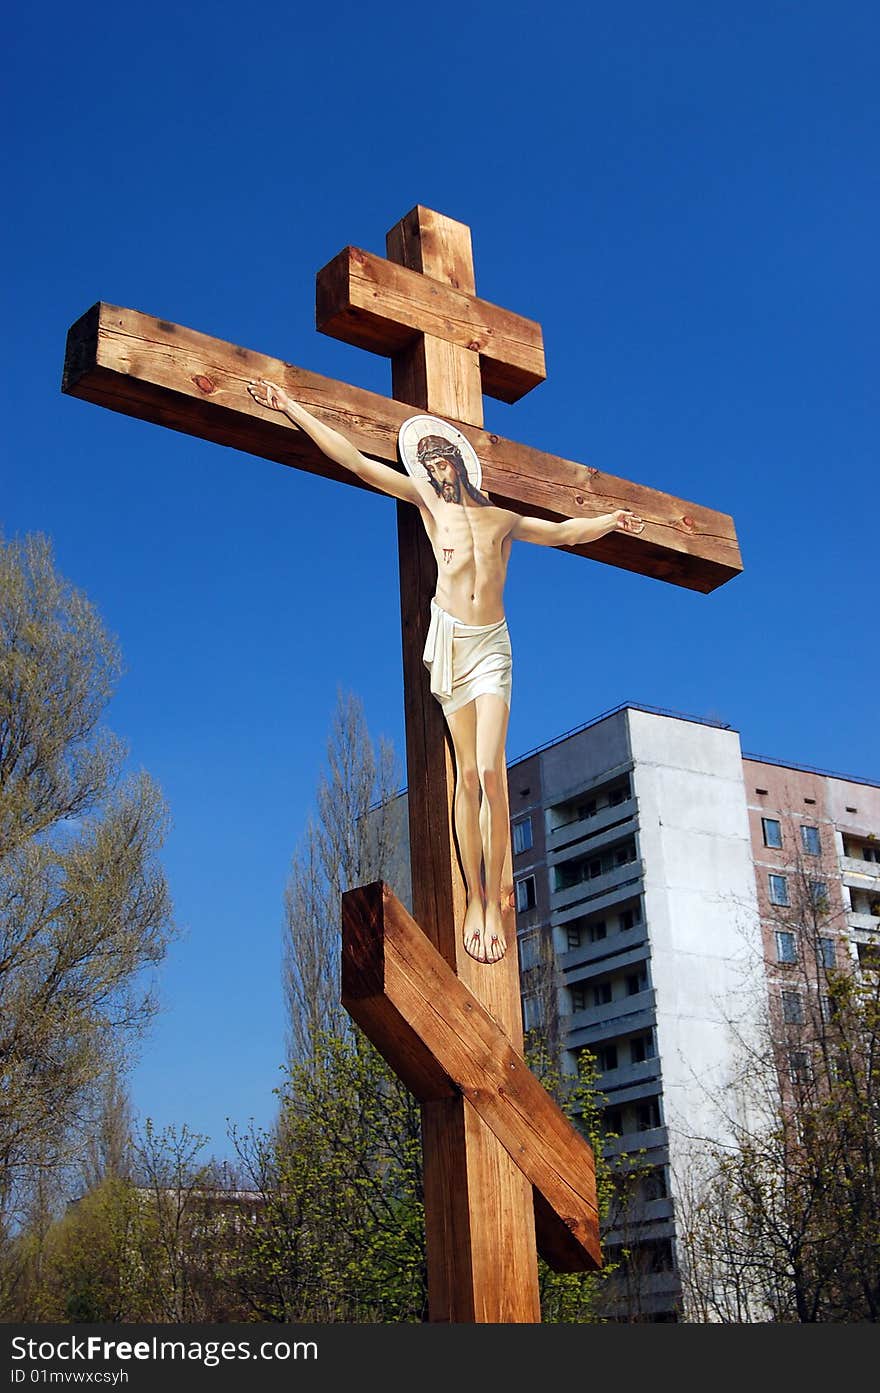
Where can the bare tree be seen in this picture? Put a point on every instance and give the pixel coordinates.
(345, 845)
(783, 1223)
(108, 1149)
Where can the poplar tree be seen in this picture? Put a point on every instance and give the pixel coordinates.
(84, 905)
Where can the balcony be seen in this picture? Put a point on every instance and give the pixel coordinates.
(861, 875)
(648, 1071)
(629, 1013)
(638, 1092)
(651, 1140)
(867, 922)
(588, 890)
(645, 1292)
(588, 827)
(626, 946)
(658, 1213)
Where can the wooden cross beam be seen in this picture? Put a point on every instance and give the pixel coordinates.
(442, 1043)
(177, 377)
(419, 306)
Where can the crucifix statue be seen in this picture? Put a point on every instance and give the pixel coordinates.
(503, 1168)
(468, 647)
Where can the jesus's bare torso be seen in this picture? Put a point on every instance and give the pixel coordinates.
(471, 544)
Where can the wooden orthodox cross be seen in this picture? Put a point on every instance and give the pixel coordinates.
(502, 1165)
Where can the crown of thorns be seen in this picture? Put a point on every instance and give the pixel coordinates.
(430, 445)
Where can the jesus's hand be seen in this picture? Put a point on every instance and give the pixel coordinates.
(267, 393)
(625, 521)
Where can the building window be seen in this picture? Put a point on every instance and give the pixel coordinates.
(522, 835)
(810, 839)
(598, 931)
(602, 994)
(837, 1068)
(647, 1115)
(772, 831)
(587, 809)
(778, 889)
(827, 1008)
(819, 894)
(573, 936)
(871, 853)
(636, 982)
(825, 953)
(869, 956)
(792, 1008)
(525, 893)
(607, 1058)
(799, 1066)
(612, 1121)
(641, 1047)
(629, 918)
(531, 1012)
(786, 949)
(654, 1186)
(578, 998)
(659, 1255)
(595, 868)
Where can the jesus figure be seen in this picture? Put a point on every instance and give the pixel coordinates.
(468, 647)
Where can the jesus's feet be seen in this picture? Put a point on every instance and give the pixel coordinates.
(494, 942)
(473, 929)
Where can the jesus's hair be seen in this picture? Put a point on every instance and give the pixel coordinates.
(431, 446)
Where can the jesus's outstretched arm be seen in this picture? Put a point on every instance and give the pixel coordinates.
(575, 531)
(334, 445)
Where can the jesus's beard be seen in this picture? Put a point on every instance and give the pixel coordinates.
(451, 491)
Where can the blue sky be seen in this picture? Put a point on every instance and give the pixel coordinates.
(685, 196)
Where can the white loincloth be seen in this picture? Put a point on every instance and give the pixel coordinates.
(467, 660)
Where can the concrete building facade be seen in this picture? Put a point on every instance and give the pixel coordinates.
(653, 863)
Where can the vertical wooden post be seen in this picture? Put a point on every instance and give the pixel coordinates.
(482, 1263)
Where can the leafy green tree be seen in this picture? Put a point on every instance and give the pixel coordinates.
(92, 1268)
(578, 1298)
(84, 906)
(340, 1234)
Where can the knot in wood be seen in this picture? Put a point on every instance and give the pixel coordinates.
(688, 522)
(204, 384)
(474, 345)
(494, 439)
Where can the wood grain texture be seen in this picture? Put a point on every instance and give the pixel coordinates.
(430, 372)
(373, 303)
(472, 1185)
(436, 245)
(187, 381)
(403, 994)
